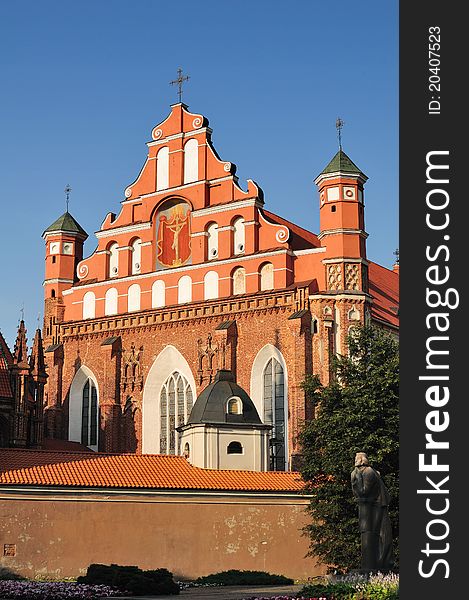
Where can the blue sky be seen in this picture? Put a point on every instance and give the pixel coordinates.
(83, 83)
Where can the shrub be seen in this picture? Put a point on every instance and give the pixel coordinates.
(131, 579)
(355, 587)
(235, 577)
(330, 591)
(7, 575)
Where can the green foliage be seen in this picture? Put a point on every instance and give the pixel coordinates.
(331, 591)
(357, 412)
(235, 577)
(378, 587)
(7, 575)
(131, 579)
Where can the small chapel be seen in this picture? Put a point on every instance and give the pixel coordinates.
(196, 285)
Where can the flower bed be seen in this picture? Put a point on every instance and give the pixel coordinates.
(354, 587)
(38, 590)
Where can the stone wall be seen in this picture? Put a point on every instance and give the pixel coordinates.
(60, 533)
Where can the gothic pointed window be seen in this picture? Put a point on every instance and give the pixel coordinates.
(274, 412)
(176, 402)
(89, 414)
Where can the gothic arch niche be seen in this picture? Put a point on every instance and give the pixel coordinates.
(173, 236)
(269, 392)
(130, 420)
(168, 362)
(83, 419)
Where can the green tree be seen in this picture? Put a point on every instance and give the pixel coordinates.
(357, 412)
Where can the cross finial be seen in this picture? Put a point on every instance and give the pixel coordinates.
(396, 254)
(339, 124)
(67, 191)
(179, 81)
(22, 311)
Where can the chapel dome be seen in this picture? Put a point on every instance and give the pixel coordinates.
(224, 401)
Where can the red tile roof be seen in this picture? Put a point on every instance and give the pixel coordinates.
(144, 471)
(384, 288)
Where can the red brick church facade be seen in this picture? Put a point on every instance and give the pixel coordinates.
(195, 275)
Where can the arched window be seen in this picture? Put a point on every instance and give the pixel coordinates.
(52, 293)
(133, 298)
(136, 256)
(212, 241)
(158, 294)
(187, 450)
(113, 270)
(274, 411)
(110, 302)
(162, 169)
(314, 325)
(267, 276)
(239, 281)
(238, 236)
(185, 289)
(175, 407)
(191, 161)
(234, 406)
(211, 285)
(89, 414)
(234, 448)
(89, 305)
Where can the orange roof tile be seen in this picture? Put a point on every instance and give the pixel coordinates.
(384, 288)
(144, 471)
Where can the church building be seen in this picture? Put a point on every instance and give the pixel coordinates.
(196, 291)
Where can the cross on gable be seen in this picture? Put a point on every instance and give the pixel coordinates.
(179, 81)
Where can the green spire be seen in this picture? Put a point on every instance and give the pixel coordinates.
(341, 162)
(66, 223)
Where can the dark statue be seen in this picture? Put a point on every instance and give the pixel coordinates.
(373, 517)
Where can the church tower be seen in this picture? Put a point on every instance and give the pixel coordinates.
(64, 250)
(342, 224)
